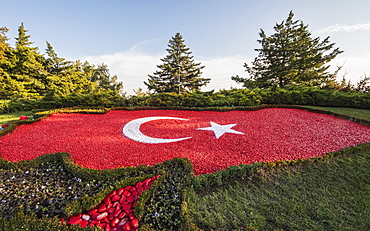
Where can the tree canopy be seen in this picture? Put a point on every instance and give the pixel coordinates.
(290, 56)
(25, 73)
(179, 72)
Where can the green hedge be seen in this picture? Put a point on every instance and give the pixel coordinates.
(293, 95)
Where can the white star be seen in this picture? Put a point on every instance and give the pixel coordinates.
(219, 130)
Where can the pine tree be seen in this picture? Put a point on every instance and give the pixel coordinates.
(4, 46)
(27, 68)
(290, 56)
(105, 82)
(58, 72)
(179, 72)
(7, 84)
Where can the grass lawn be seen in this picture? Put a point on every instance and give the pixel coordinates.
(5, 118)
(357, 113)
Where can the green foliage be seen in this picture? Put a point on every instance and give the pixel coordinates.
(178, 72)
(290, 56)
(324, 193)
(165, 207)
(292, 95)
(25, 73)
(107, 99)
(30, 222)
(220, 177)
(54, 187)
(6, 118)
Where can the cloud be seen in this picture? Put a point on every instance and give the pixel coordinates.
(132, 68)
(345, 28)
(221, 69)
(354, 68)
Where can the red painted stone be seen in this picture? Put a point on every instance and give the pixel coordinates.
(135, 223)
(117, 212)
(114, 221)
(130, 198)
(126, 208)
(84, 223)
(115, 204)
(122, 215)
(131, 216)
(126, 193)
(95, 215)
(102, 208)
(107, 200)
(146, 181)
(114, 192)
(120, 191)
(110, 216)
(111, 210)
(91, 212)
(140, 190)
(102, 216)
(123, 199)
(126, 227)
(94, 222)
(138, 184)
(74, 220)
(23, 117)
(115, 198)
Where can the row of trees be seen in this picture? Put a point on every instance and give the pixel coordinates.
(25, 73)
(290, 56)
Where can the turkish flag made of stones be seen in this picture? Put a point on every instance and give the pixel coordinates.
(211, 140)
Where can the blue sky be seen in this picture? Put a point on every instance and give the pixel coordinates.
(131, 36)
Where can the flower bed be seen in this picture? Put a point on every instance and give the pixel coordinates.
(233, 138)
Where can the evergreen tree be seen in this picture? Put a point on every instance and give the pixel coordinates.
(79, 76)
(7, 84)
(26, 67)
(290, 56)
(58, 72)
(179, 72)
(104, 81)
(4, 46)
(54, 64)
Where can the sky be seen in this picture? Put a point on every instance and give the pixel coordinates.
(132, 36)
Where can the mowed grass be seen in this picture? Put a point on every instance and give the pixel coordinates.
(325, 196)
(330, 196)
(6, 118)
(357, 113)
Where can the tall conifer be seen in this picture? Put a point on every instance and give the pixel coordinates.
(179, 72)
(27, 68)
(290, 56)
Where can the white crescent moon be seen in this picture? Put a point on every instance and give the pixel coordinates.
(132, 130)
